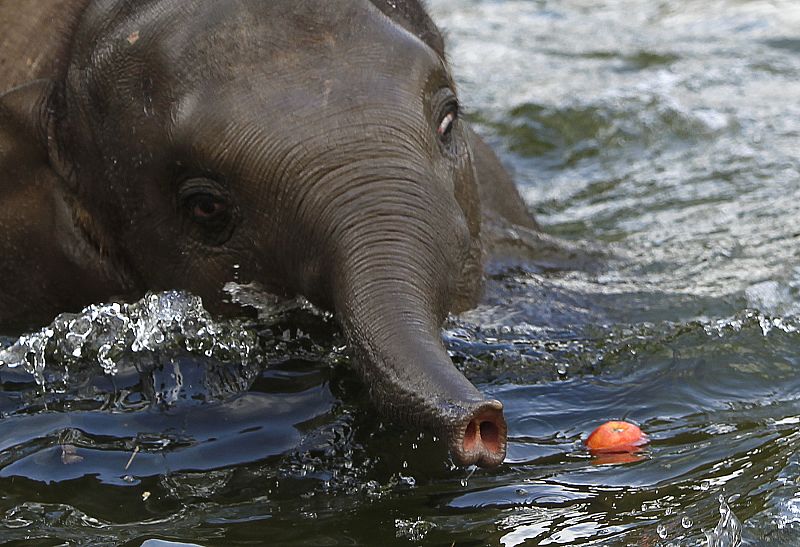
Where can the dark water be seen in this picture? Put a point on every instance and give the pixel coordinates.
(668, 131)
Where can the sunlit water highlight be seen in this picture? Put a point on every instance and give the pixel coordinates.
(667, 131)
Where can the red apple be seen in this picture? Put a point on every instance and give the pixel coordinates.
(616, 438)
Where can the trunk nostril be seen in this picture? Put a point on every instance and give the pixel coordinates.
(484, 438)
(490, 435)
(471, 437)
(482, 434)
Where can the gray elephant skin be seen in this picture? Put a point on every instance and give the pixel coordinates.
(312, 146)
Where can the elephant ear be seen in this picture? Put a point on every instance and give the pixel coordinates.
(27, 214)
(24, 124)
(49, 245)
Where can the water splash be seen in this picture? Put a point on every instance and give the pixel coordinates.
(748, 318)
(728, 532)
(412, 530)
(270, 308)
(104, 333)
(528, 353)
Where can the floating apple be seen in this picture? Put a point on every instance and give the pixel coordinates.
(616, 438)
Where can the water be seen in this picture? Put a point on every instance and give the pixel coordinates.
(669, 132)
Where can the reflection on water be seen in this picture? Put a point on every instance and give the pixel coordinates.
(669, 132)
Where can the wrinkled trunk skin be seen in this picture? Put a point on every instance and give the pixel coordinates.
(412, 379)
(400, 270)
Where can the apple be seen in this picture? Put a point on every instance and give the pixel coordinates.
(616, 438)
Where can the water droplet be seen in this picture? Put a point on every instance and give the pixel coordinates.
(705, 485)
(465, 480)
(686, 522)
(661, 530)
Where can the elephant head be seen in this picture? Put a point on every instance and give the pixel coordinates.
(314, 147)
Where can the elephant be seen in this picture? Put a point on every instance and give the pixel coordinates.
(316, 147)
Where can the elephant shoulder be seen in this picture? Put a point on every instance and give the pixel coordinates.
(498, 194)
(509, 232)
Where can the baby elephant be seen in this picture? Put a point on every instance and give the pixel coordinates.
(312, 146)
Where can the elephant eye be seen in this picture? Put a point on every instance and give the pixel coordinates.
(446, 109)
(206, 207)
(446, 125)
(208, 210)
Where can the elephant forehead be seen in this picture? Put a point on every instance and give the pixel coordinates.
(312, 101)
(317, 43)
(211, 40)
(296, 137)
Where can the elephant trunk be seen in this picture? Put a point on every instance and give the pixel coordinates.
(399, 270)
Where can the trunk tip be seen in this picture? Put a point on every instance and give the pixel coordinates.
(481, 438)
